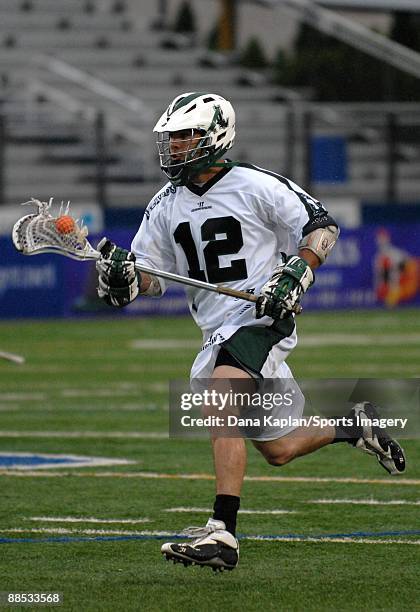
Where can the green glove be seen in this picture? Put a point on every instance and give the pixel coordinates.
(280, 296)
(119, 281)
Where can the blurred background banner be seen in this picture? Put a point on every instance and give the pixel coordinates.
(371, 267)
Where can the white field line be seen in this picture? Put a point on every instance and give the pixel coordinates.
(207, 510)
(106, 392)
(134, 391)
(76, 531)
(169, 534)
(56, 386)
(155, 475)
(332, 540)
(163, 344)
(366, 502)
(22, 397)
(385, 320)
(103, 407)
(75, 369)
(154, 435)
(358, 339)
(350, 339)
(407, 370)
(90, 519)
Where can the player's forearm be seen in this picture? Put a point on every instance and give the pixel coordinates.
(311, 259)
(150, 285)
(146, 280)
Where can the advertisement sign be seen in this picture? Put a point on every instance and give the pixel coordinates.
(370, 266)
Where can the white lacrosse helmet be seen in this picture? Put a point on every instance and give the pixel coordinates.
(209, 124)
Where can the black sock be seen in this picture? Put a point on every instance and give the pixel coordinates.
(349, 432)
(225, 509)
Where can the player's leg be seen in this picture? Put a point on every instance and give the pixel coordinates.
(229, 454)
(301, 441)
(359, 431)
(215, 544)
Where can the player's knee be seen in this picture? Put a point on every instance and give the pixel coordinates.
(279, 459)
(279, 456)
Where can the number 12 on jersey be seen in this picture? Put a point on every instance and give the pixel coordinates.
(215, 247)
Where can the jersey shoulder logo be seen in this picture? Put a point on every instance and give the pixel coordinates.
(158, 199)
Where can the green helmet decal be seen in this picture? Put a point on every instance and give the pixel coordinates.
(183, 101)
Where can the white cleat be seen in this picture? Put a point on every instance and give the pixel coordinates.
(212, 546)
(376, 441)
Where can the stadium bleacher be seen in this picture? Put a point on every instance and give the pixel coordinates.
(110, 61)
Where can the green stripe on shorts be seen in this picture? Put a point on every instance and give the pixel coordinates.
(251, 345)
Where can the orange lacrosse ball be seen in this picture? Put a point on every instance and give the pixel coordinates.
(65, 224)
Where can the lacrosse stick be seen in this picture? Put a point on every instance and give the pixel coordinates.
(42, 233)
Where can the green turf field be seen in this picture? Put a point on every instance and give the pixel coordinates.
(86, 389)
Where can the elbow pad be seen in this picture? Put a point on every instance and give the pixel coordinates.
(320, 241)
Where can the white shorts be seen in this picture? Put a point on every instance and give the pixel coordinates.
(262, 351)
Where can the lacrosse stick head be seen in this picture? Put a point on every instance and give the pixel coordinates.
(41, 232)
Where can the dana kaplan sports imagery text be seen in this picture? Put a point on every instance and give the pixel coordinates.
(268, 420)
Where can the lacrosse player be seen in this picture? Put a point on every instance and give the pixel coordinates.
(239, 225)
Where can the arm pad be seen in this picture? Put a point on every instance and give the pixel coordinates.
(320, 241)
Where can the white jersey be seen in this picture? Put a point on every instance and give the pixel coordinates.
(231, 231)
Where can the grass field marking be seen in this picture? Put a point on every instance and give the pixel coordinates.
(89, 519)
(207, 510)
(163, 476)
(65, 530)
(306, 340)
(390, 339)
(241, 536)
(103, 407)
(154, 435)
(407, 370)
(63, 535)
(127, 538)
(76, 461)
(178, 369)
(163, 344)
(104, 392)
(22, 397)
(366, 502)
(333, 540)
(110, 391)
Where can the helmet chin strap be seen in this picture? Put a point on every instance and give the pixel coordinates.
(225, 164)
(208, 170)
(190, 176)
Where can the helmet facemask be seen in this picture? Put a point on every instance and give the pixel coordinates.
(205, 124)
(181, 163)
